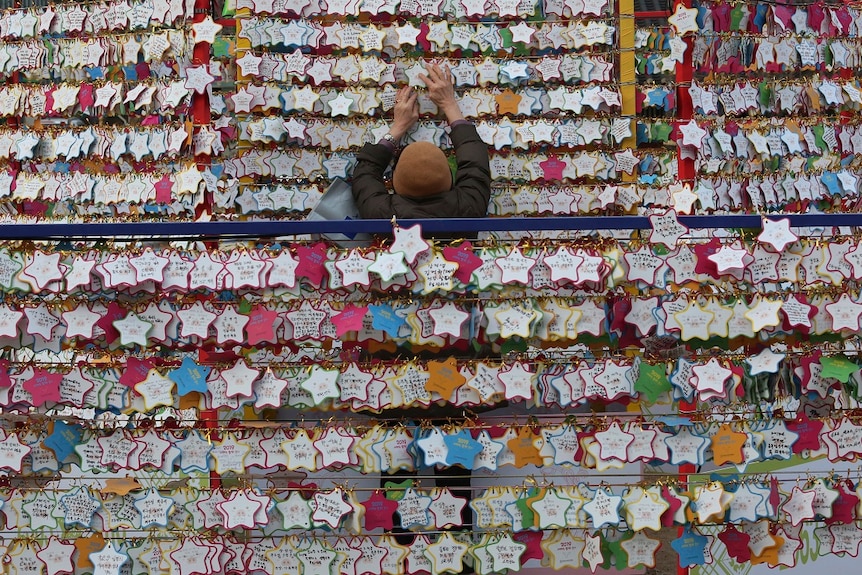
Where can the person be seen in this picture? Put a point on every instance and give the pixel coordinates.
(424, 187)
(422, 180)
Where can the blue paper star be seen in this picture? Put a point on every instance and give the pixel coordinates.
(190, 377)
(690, 548)
(384, 318)
(462, 449)
(95, 73)
(830, 180)
(656, 97)
(759, 16)
(63, 439)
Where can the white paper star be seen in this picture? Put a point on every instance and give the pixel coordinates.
(340, 105)
(409, 241)
(448, 320)
(206, 30)
(692, 134)
(604, 508)
(767, 361)
(198, 78)
(240, 379)
(777, 234)
(133, 330)
(108, 561)
(249, 64)
(684, 19)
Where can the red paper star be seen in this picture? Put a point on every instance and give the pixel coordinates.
(620, 310)
(705, 265)
(808, 431)
(843, 508)
(533, 541)
(113, 313)
(85, 96)
(674, 502)
(774, 495)
(378, 511)
(422, 39)
(736, 543)
(136, 371)
(5, 380)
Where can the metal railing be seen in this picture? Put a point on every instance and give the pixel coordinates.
(267, 229)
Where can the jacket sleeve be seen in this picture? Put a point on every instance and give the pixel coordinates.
(473, 179)
(369, 191)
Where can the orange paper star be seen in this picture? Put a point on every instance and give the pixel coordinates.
(524, 449)
(507, 102)
(86, 545)
(727, 445)
(444, 377)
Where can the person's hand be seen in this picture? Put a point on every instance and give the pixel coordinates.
(406, 112)
(441, 90)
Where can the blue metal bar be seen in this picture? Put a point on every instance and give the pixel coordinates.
(265, 229)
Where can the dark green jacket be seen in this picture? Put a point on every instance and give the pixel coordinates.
(468, 198)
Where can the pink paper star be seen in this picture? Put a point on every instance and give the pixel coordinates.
(44, 386)
(311, 260)
(262, 324)
(552, 169)
(164, 189)
(465, 258)
(350, 319)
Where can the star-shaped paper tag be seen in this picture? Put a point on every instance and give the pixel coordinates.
(684, 20)
(409, 241)
(666, 228)
(108, 561)
(776, 233)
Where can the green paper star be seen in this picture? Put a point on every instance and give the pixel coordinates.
(528, 518)
(736, 17)
(395, 490)
(222, 48)
(506, 35)
(614, 549)
(514, 344)
(521, 50)
(661, 132)
(838, 367)
(764, 94)
(652, 381)
(818, 130)
(244, 307)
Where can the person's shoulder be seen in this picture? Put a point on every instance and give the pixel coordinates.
(464, 134)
